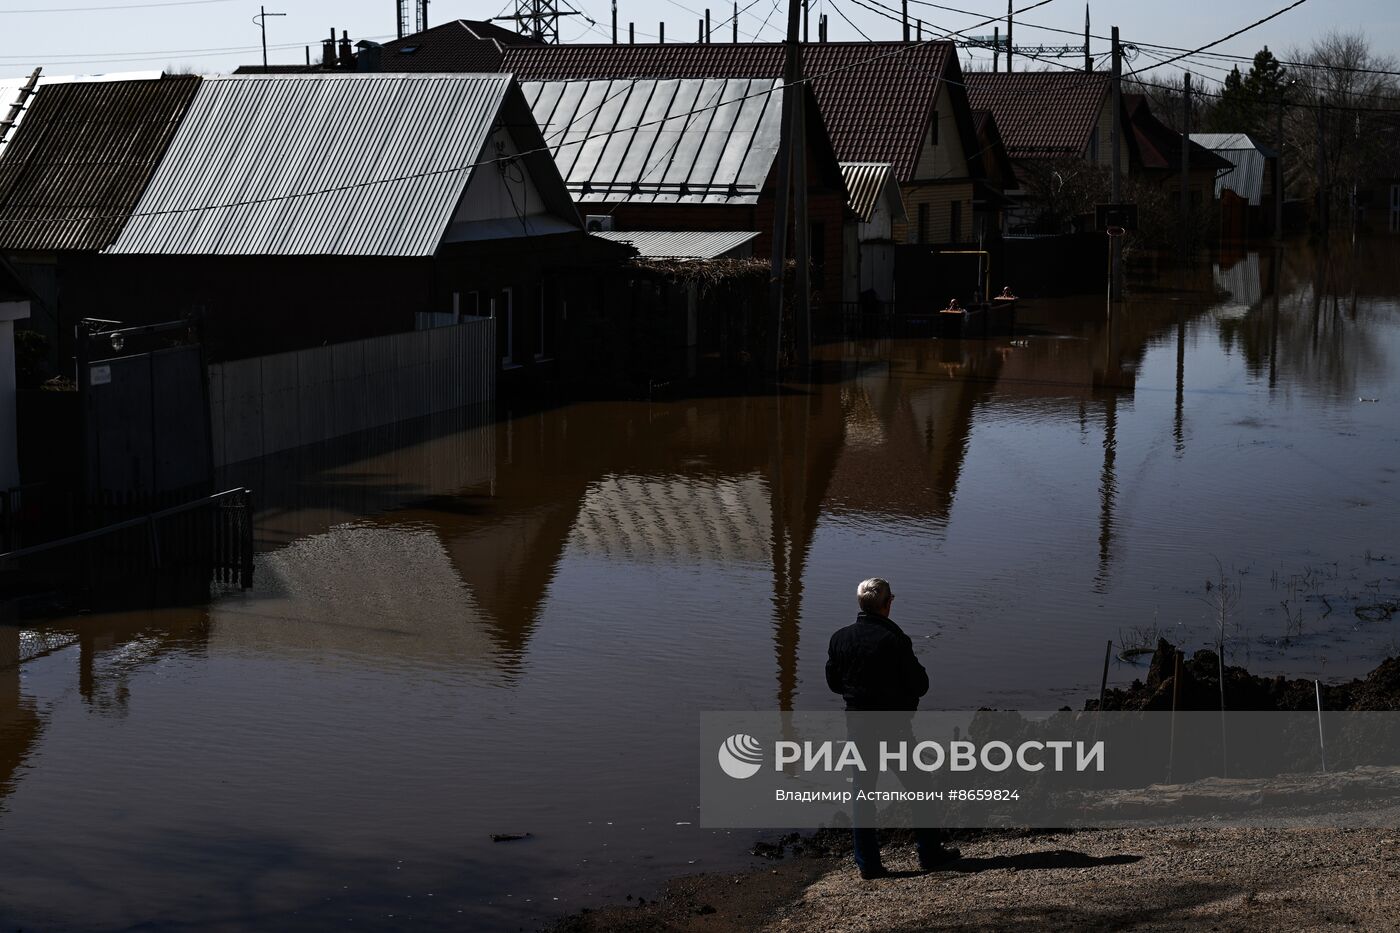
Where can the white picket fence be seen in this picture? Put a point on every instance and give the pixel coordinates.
(267, 404)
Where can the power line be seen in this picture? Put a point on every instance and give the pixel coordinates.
(899, 49)
(1258, 22)
(122, 6)
(841, 13)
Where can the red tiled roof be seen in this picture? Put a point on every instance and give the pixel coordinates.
(875, 97)
(1041, 114)
(458, 45)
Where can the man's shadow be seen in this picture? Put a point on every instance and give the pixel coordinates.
(1030, 861)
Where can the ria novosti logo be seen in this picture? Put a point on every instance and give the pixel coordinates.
(740, 756)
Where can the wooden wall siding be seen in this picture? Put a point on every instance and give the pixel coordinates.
(268, 404)
(939, 198)
(947, 159)
(1105, 135)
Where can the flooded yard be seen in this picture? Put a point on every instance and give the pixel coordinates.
(458, 630)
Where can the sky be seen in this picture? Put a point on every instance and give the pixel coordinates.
(215, 36)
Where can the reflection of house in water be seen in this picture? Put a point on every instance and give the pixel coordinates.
(1241, 279)
(19, 718)
(111, 648)
(907, 427)
(359, 592)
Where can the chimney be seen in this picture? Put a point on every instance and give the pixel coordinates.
(328, 56)
(663, 34)
(347, 54)
(631, 33)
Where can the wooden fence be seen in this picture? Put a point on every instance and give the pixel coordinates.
(273, 403)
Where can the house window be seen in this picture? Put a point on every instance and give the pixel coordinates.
(922, 231)
(955, 222)
(933, 130)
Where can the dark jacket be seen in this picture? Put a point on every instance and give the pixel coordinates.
(872, 664)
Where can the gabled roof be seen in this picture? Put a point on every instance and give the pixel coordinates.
(996, 162)
(1221, 141)
(11, 92)
(81, 160)
(876, 98)
(1041, 114)
(661, 141)
(865, 183)
(331, 164)
(1159, 146)
(1245, 160)
(458, 45)
(681, 244)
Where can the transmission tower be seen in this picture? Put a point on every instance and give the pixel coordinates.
(420, 16)
(539, 19)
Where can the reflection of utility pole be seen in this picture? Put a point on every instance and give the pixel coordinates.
(1178, 430)
(261, 20)
(1115, 284)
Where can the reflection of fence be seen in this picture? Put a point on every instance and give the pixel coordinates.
(855, 320)
(287, 400)
(208, 540)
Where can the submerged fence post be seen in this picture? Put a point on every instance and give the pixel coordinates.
(1103, 685)
(246, 528)
(1321, 744)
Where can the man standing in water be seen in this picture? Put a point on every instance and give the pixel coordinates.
(871, 663)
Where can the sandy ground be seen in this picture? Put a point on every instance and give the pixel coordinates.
(1200, 879)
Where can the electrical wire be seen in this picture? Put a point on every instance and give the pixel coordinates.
(841, 13)
(1258, 22)
(122, 6)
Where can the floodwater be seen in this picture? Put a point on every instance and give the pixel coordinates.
(512, 628)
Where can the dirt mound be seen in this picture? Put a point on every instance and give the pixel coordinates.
(1198, 687)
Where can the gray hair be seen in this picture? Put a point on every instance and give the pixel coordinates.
(873, 594)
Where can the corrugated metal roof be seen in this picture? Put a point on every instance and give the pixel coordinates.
(876, 98)
(1246, 179)
(683, 141)
(77, 167)
(344, 165)
(865, 182)
(1041, 114)
(680, 244)
(10, 88)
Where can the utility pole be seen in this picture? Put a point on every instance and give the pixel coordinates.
(735, 23)
(1088, 59)
(904, 18)
(1115, 285)
(1278, 168)
(262, 24)
(614, 24)
(1008, 36)
(707, 25)
(789, 146)
(1185, 165)
(806, 18)
(996, 49)
(1322, 218)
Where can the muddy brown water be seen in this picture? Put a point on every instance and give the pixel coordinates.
(463, 630)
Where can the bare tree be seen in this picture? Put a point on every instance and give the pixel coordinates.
(1347, 111)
